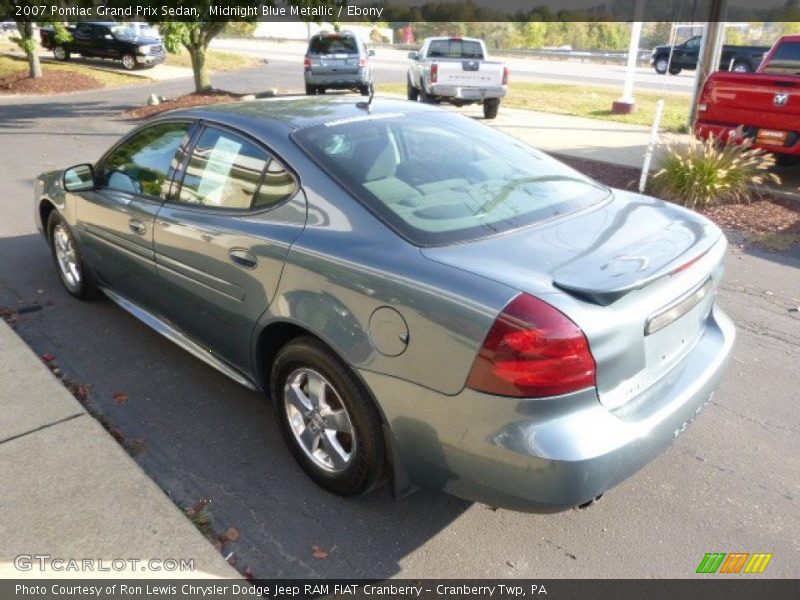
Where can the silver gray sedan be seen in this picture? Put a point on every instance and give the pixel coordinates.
(426, 300)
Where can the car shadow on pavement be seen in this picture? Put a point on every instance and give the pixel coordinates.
(205, 439)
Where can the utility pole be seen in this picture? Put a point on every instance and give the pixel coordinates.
(627, 102)
(708, 62)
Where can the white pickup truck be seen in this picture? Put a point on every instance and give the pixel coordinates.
(457, 70)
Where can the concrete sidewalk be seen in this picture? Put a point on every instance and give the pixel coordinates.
(71, 492)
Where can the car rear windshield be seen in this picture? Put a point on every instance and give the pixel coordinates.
(439, 178)
(454, 49)
(333, 44)
(785, 60)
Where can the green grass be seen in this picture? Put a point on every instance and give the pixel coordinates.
(593, 102)
(216, 61)
(12, 64)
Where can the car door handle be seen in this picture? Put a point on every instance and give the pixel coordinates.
(243, 258)
(137, 227)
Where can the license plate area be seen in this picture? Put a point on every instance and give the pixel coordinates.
(771, 137)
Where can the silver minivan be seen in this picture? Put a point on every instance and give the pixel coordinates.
(339, 61)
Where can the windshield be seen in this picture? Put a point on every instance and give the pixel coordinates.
(439, 178)
(124, 32)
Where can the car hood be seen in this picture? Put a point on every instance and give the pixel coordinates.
(599, 254)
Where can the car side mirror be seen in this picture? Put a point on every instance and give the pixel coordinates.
(79, 178)
(413, 55)
(371, 53)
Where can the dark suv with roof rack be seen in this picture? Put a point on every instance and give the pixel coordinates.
(338, 61)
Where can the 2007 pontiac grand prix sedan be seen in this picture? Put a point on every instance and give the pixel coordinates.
(427, 300)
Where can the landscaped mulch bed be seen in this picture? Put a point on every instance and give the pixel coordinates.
(771, 223)
(186, 101)
(51, 82)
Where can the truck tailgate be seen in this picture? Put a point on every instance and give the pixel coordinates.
(469, 73)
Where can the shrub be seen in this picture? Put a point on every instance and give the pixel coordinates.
(712, 171)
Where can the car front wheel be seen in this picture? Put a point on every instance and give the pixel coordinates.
(327, 418)
(412, 93)
(68, 259)
(129, 62)
(661, 65)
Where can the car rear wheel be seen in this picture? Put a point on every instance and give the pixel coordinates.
(327, 418)
(674, 69)
(68, 259)
(129, 61)
(365, 89)
(321, 89)
(412, 93)
(490, 108)
(60, 53)
(311, 90)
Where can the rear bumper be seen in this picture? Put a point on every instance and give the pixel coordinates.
(337, 80)
(467, 94)
(545, 455)
(724, 131)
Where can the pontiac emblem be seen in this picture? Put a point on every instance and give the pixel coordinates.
(781, 99)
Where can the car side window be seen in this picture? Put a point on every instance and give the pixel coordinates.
(228, 171)
(145, 163)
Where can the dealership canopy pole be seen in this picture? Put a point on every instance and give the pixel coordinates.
(627, 102)
(709, 50)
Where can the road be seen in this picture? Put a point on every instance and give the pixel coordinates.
(730, 483)
(390, 66)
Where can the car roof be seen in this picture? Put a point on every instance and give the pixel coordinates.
(453, 37)
(298, 112)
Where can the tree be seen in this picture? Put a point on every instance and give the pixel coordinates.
(34, 10)
(195, 36)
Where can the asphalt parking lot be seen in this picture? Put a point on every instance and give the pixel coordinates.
(730, 483)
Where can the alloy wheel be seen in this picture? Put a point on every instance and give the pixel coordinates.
(66, 256)
(319, 420)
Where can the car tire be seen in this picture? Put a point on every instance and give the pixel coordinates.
(490, 108)
(321, 90)
(661, 64)
(345, 455)
(741, 66)
(68, 259)
(425, 96)
(128, 61)
(61, 53)
(412, 93)
(311, 90)
(674, 69)
(365, 89)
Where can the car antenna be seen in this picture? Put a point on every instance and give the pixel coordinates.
(366, 105)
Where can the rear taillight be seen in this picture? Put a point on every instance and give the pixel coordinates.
(505, 75)
(533, 350)
(434, 72)
(362, 62)
(307, 62)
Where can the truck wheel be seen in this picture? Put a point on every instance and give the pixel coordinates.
(412, 93)
(365, 89)
(490, 108)
(425, 96)
(661, 65)
(60, 53)
(674, 69)
(128, 61)
(311, 90)
(741, 66)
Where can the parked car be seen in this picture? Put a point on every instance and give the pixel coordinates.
(426, 299)
(337, 61)
(107, 40)
(457, 70)
(760, 106)
(739, 59)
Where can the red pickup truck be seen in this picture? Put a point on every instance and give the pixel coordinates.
(765, 104)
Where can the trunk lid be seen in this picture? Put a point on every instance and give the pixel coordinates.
(636, 274)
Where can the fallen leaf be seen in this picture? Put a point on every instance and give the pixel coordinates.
(318, 552)
(121, 398)
(47, 357)
(232, 534)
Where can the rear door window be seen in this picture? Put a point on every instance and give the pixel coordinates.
(334, 45)
(227, 171)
